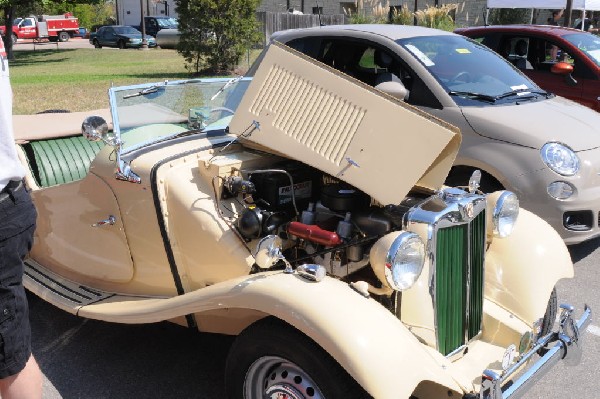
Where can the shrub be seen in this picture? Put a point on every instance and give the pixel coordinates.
(216, 33)
(402, 16)
(437, 17)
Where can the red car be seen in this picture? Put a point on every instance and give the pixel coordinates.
(561, 60)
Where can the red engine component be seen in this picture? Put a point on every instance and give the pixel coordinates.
(314, 233)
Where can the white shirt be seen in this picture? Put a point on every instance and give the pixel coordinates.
(10, 166)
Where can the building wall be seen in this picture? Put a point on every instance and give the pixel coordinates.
(468, 13)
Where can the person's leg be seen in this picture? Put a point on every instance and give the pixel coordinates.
(20, 375)
(24, 385)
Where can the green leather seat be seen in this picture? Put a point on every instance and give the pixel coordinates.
(61, 160)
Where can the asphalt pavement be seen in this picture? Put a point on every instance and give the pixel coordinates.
(29, 45)
(95, 360)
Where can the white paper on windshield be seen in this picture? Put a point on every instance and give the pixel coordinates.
(521, 87)
(420, 55)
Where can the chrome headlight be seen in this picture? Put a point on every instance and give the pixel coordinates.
(560, 158)
(505, 213)
(398, 259)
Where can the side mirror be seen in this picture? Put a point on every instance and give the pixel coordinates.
(394, 88)
(95, 128)
(562, 68)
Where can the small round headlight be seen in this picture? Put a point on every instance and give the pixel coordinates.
(404, 261)
(560, 190)
(560, 158)
(505, 214)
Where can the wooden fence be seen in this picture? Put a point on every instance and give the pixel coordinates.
(275, 21)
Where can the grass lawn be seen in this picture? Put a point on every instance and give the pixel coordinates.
(78, 79)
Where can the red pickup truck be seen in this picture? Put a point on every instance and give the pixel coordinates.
(51, 27)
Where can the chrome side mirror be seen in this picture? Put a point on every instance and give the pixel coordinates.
(95, 128)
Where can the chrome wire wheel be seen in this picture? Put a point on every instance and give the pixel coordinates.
(272, 377)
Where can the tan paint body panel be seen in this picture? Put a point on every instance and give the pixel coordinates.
(315, 121)
(67, 242)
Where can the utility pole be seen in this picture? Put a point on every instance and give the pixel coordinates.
(143, 26)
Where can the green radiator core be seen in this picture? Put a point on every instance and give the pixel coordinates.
(459, 283)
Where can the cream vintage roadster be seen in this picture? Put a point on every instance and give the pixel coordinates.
(287, 209)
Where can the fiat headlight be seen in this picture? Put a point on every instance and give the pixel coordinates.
(560, 158)
(398, 259)
(505, 213)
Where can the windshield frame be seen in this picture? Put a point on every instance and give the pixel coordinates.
(142, 90)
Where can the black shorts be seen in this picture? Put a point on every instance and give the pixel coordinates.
(17, 223)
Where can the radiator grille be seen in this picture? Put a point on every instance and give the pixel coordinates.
(459, 283)
(311, 123)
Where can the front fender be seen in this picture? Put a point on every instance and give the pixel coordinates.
(370, 343)
(523, 268)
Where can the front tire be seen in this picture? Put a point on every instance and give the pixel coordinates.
(14, 38)
(271, 358)
(97, 44)
(121, 44)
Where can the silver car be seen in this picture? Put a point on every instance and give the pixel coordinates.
(540, 146)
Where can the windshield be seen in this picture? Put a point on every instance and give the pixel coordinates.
(167, 22)
(469, 71)
(587, 43)
(145, 114)
(126, 30)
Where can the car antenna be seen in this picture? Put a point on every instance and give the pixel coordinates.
(319, 13)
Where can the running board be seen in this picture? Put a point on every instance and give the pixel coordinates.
(65, 294)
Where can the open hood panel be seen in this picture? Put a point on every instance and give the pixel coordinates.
(307, 111)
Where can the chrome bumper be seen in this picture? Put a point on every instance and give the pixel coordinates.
(565, 345)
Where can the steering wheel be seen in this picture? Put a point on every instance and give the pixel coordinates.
(461, 77)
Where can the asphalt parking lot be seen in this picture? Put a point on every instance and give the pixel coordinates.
(94, 360)
(29, 45)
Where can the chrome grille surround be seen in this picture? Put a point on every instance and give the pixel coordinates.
(454, 210)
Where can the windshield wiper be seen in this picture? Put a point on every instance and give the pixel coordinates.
(477, 96)
(226, 85)
(523, 92)
(144, 92)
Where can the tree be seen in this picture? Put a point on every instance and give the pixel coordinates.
(215, 33)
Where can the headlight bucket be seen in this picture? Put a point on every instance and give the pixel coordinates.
(503, 210)
(560, 158)
(397, 259)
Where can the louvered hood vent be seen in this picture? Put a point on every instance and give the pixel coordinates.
(310, 112)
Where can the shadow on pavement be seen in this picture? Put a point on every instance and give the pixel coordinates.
(90, 359)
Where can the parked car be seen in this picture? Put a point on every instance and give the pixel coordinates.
(168, 38)
(560, 60)
(544, 148)
(269, 209)
(155, 24)
(119, 36)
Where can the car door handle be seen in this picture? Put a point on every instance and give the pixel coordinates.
(111, 220)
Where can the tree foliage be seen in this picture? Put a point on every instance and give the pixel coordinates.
(507, 16)
(215, 33)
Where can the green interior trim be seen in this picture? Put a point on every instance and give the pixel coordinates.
(61, 160)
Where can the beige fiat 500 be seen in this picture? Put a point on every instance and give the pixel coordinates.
(288, 211)
(544, 148)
